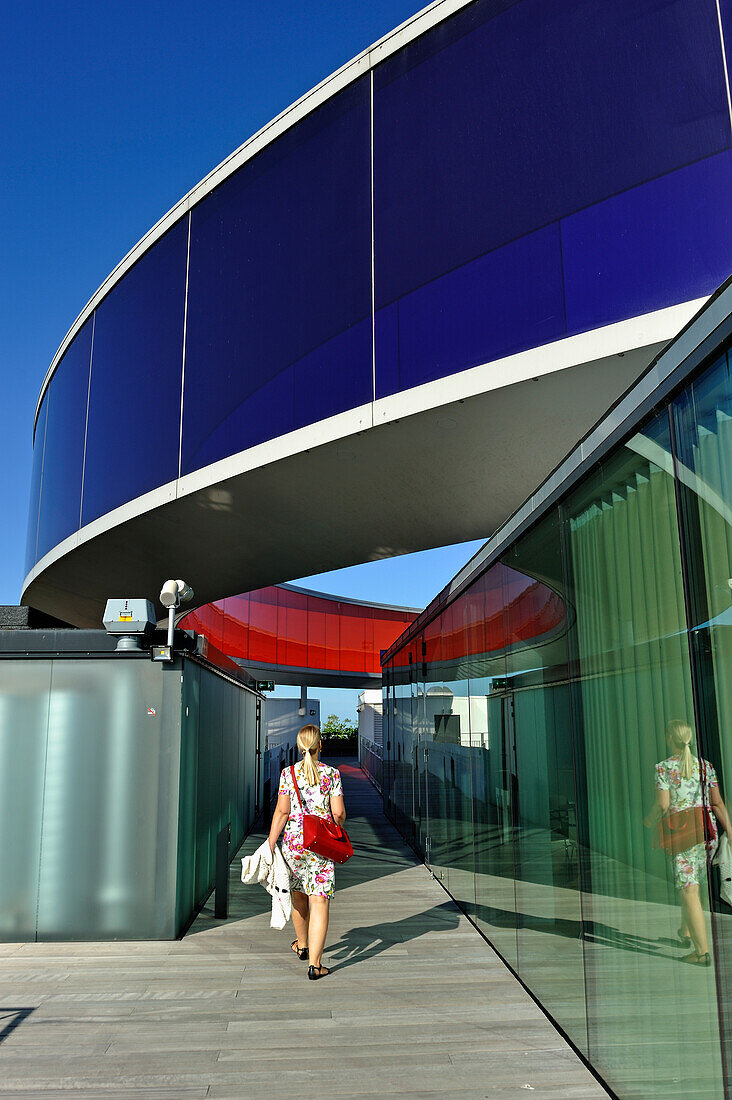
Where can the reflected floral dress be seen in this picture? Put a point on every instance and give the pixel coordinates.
(310, 874)
(690, 866)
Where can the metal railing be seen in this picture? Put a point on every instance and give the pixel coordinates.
(371, 760)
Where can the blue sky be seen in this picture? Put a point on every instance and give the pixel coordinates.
(110, 114)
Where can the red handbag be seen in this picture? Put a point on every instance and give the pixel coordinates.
(321, 835)
(684, 829)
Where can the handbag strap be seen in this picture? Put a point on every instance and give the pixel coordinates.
(703, 782)
(711, 830)
(299, 799)
(294, 780)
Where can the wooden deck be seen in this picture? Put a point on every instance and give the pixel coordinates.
(417, 1003)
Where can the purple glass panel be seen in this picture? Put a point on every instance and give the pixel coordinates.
(665, 242)
(64, 452)
(280, 277)
(504, 302)
(35, 487)
(134, 400)
(484, 133)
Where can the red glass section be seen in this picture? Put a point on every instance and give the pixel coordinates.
(494, 582)
(432, 648)
(287, 627)
(283, 626)
(206, 620)
(261, 638)
(501, 609)
(333, 640)
(533, 609)
(236, 623)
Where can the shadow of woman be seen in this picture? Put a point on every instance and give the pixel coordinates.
(590, 930)
(366, 941)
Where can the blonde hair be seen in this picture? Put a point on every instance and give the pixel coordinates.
(308, 742)
(680, 736)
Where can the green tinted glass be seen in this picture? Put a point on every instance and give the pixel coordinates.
(652, 1021)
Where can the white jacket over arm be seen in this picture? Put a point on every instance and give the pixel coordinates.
(269, 869)
(723, 860)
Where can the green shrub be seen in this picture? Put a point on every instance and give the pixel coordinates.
(339, 736)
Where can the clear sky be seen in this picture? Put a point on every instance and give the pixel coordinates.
(110, 114)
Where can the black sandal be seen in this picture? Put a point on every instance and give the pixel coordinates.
(324, 971)
(301, 952)
(685, 940)
(693, 959)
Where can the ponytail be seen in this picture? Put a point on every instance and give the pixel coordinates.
(680, 735)
(308, 742)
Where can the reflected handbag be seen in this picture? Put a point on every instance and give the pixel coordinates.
(321, 835)
(684, 829)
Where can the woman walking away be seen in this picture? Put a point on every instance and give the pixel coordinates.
(312, 877)
(686, 784)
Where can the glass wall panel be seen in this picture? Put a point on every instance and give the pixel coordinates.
(186, 897)
(444, 752)
(209, 770)
(428, 707)
(437, 156)
(620, 258)
(703, 433)
(292, 640)
(416, 782)
(549, 922)
(24, 696)
(317, 615)
(387, 779)
(134, 399)
(109, 809)
(263, 624)
(63, 460)
(405, 771)
(279, 293)
(490, 733)
(461, 866)
(217, 780)
(352, 638)
(31, 557)
(652, 1021)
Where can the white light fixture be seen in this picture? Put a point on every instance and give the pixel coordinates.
(172, 595)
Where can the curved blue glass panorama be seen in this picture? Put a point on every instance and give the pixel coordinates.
(523, 171)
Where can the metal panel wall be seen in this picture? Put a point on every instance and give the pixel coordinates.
(108, 805)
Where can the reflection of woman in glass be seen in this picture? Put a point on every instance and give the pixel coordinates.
(679, 787)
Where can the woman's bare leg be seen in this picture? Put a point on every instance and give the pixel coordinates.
(694, 918)
(319, 913)
(300, 917)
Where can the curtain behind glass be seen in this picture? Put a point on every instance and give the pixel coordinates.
(632, 647)
(652, 1021)
(703, 428)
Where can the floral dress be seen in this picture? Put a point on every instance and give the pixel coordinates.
(310, 874)
(689, 866)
